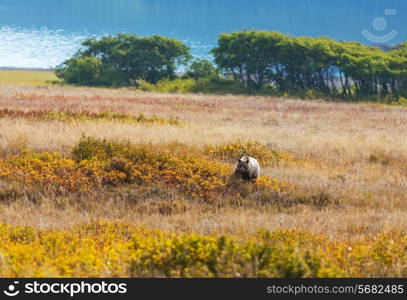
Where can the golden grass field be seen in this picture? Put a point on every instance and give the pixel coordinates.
(348, 162)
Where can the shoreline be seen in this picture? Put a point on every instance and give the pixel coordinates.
(25, 69)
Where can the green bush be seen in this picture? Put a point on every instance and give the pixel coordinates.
(179, 85)
(84, 70)
(89, 148)
(206, 85)
(201, 68)
(220, 86)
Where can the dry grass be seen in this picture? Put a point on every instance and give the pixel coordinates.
(353, 153)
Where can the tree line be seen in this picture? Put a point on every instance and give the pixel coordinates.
(256, 61)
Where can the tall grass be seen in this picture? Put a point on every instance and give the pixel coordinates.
(344, 163)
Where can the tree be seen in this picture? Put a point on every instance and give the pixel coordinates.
(126, 59)
(249, 56)
(303, 64)
(83, 70)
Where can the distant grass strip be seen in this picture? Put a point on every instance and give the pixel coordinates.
(36, 78)
(70, 116)
(121, 250)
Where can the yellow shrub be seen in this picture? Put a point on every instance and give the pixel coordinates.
(50, 170)
(175, 165)
(108, 250)
(70, 116)
(234, 150)
(96, 163)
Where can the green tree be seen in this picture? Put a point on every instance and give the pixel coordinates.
(303, 64)
(126, 59)
(250, 57)
(398, 69)
(84, 70)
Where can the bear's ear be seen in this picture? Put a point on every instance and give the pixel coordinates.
(247, 160)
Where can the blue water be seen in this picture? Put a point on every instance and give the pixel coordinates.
(42, 33)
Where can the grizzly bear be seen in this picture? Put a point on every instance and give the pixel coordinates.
(247, 168)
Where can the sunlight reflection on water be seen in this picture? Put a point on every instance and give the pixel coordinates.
(44, 48)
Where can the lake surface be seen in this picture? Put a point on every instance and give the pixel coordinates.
(43, 33)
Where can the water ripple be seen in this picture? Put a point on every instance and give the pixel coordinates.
(37, 47)
(44, 48)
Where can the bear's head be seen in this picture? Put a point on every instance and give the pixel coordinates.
(243, 164)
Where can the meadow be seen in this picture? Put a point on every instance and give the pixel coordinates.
(120, 182)
(21, 77)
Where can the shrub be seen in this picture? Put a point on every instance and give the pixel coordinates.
(233, 151)
(381, 158)
(83, 70)
(201, 68)
(181, 167)
(98, 163)
(205, 85)
(195, 176)
(103, 249)
(217, 85)
(87, 116)
(182, 86)
(88, 148)
(50, 171)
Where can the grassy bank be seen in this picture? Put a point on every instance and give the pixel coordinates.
(36, 78)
